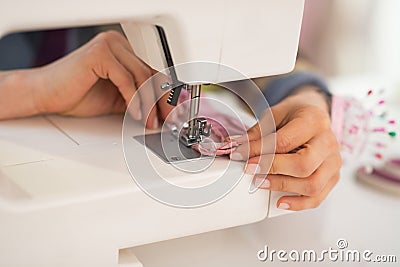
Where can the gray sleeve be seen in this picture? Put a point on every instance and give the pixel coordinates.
(281, 87)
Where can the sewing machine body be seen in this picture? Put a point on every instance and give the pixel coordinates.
(258, 38)
(66, 197)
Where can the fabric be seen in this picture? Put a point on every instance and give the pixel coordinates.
(212, 148)
(223, 126)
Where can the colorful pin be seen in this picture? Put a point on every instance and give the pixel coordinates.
(368, 120)
(383, 115)
(379, 130)
(380, 144)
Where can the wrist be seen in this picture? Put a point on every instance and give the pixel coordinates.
(35, 79)
(309, 96)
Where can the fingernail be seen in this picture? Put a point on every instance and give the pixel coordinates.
(155, 123)
(139, 114)
(237, 138)
(236, 156)
(234, 137)
(284, 206)
(252, 169)
(262, 183)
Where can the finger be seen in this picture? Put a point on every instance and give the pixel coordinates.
(310, 186)
(141, 73)
(252, 149)
(106, 66)
(305, 123)
(302, 163)
(132, 63)
(253, 143)
(307, 202)
(252, 134)
(118, 38)
(265, 126)
(294, 134)
(119, 105)
(149, 106)
(125, 54)
(126, 44)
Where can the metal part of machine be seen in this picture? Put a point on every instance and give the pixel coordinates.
(195, 128)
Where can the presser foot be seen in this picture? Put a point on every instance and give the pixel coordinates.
(176, 146)
(195, 131)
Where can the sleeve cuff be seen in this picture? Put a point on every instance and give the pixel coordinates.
(281, 87)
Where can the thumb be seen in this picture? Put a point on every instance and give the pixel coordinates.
(265, 126)
(254, 148)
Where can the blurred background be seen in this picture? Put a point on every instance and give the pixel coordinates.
(358, 38)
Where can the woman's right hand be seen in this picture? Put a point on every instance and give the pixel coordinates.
(101, 77)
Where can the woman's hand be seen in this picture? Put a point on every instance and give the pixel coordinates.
(306, 160)
(100, 77)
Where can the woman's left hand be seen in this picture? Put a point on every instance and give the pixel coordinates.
(306, 159)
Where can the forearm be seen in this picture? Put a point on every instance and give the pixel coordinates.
(17, 98)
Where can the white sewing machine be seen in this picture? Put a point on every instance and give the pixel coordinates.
(66, 196)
